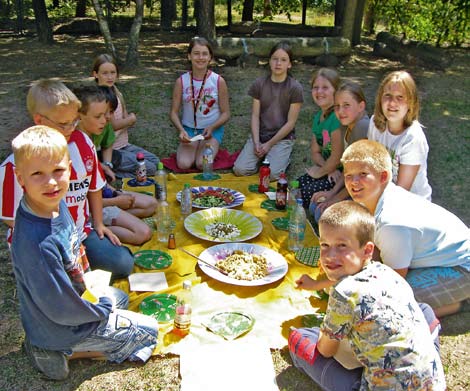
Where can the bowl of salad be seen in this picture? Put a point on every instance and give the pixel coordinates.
(223, 225)
(205, 197)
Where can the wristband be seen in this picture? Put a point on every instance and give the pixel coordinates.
(109, 164)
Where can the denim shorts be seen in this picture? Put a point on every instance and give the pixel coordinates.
(218, 133)
(124, 335)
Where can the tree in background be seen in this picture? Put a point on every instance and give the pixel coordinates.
(206, 20)
(43, 26)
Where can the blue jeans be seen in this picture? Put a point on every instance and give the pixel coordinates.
(103, 254)
(328, 373)
(124, 335)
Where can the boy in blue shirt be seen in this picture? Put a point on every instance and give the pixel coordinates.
(58, 323)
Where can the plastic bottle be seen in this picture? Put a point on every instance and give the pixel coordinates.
(141, 170)
(294, 194)
(207, 162)
(163, 220)
(264, 174)
(281, 192)
(183, 310)
(297, 224)
(186, 201)
(160, 183)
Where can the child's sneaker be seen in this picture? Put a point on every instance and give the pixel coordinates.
(51, 363)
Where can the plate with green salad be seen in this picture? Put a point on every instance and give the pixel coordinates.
(209, 197)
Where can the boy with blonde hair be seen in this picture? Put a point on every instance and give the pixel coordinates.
(57, 321)
(422, 241)
(372, 308)
(52, 104)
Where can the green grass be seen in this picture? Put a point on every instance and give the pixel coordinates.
(444, 96)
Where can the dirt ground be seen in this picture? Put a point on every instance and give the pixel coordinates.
(445, 113)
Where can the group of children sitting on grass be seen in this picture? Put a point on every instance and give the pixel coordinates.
(385, 313)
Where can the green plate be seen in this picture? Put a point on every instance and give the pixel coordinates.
(152, 259)
(271, 205)
(230, 325)
(249, 225)
(161, 306)
(308, 256)
(200, 177)
(254, 188)
(281, 223)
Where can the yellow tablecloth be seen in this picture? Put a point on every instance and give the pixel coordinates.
(275, 306)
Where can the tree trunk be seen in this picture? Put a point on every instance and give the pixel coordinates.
(248, 7)
(80, 9)
(357, 29)
(339, 12)
(267, 11)
(132, 57)
(55, 3)
(19, 16)
(304, 12)
(184, 13)
(166, 15)
(369, 17)
(349, 16)
(229, 13)
(206, 20)
(197, 6)
(43, 26)
(174, 14)
(104, 27)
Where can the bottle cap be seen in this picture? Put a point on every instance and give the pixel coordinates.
(187, 185)
(160, 165)
(187, 284)
(266, 161)
(140, 156)
(294, 184)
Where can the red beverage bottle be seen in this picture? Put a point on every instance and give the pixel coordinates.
(264, 174)
(281, 192)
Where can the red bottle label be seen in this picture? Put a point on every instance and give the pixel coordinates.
(264, 173)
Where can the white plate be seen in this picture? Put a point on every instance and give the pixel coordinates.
(277, 264)
(249, 225)
(239, 198)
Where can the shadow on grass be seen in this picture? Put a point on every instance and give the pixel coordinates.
(454, 325)
(90, 375)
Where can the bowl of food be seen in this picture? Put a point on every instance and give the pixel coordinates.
(243, 264)
(205, 197)
(223, 225)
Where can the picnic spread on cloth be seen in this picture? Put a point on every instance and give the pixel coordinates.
(269, 306)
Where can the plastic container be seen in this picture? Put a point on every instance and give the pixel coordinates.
(186, 201)
(183, 310)
(141, 170)
(297, 223)
(163, 221)
(207, 162)
(264, 175)
(294, 195)
(281, 192)
(160, 183)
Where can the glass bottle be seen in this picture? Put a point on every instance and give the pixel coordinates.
(183, 310)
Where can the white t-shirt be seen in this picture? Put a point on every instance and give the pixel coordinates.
(410, 148)
(412, 232)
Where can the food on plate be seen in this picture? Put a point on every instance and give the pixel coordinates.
(213, 197)
(220, 230)
(322, 199)
(244, 266)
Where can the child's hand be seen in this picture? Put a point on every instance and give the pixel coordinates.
(132, 118)
(263, 149)
(305, 282)
(207, 133)
(102, 230)
(108, 172)
(335, 176)
(184, 137)
(321, 196)
(124, 201)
